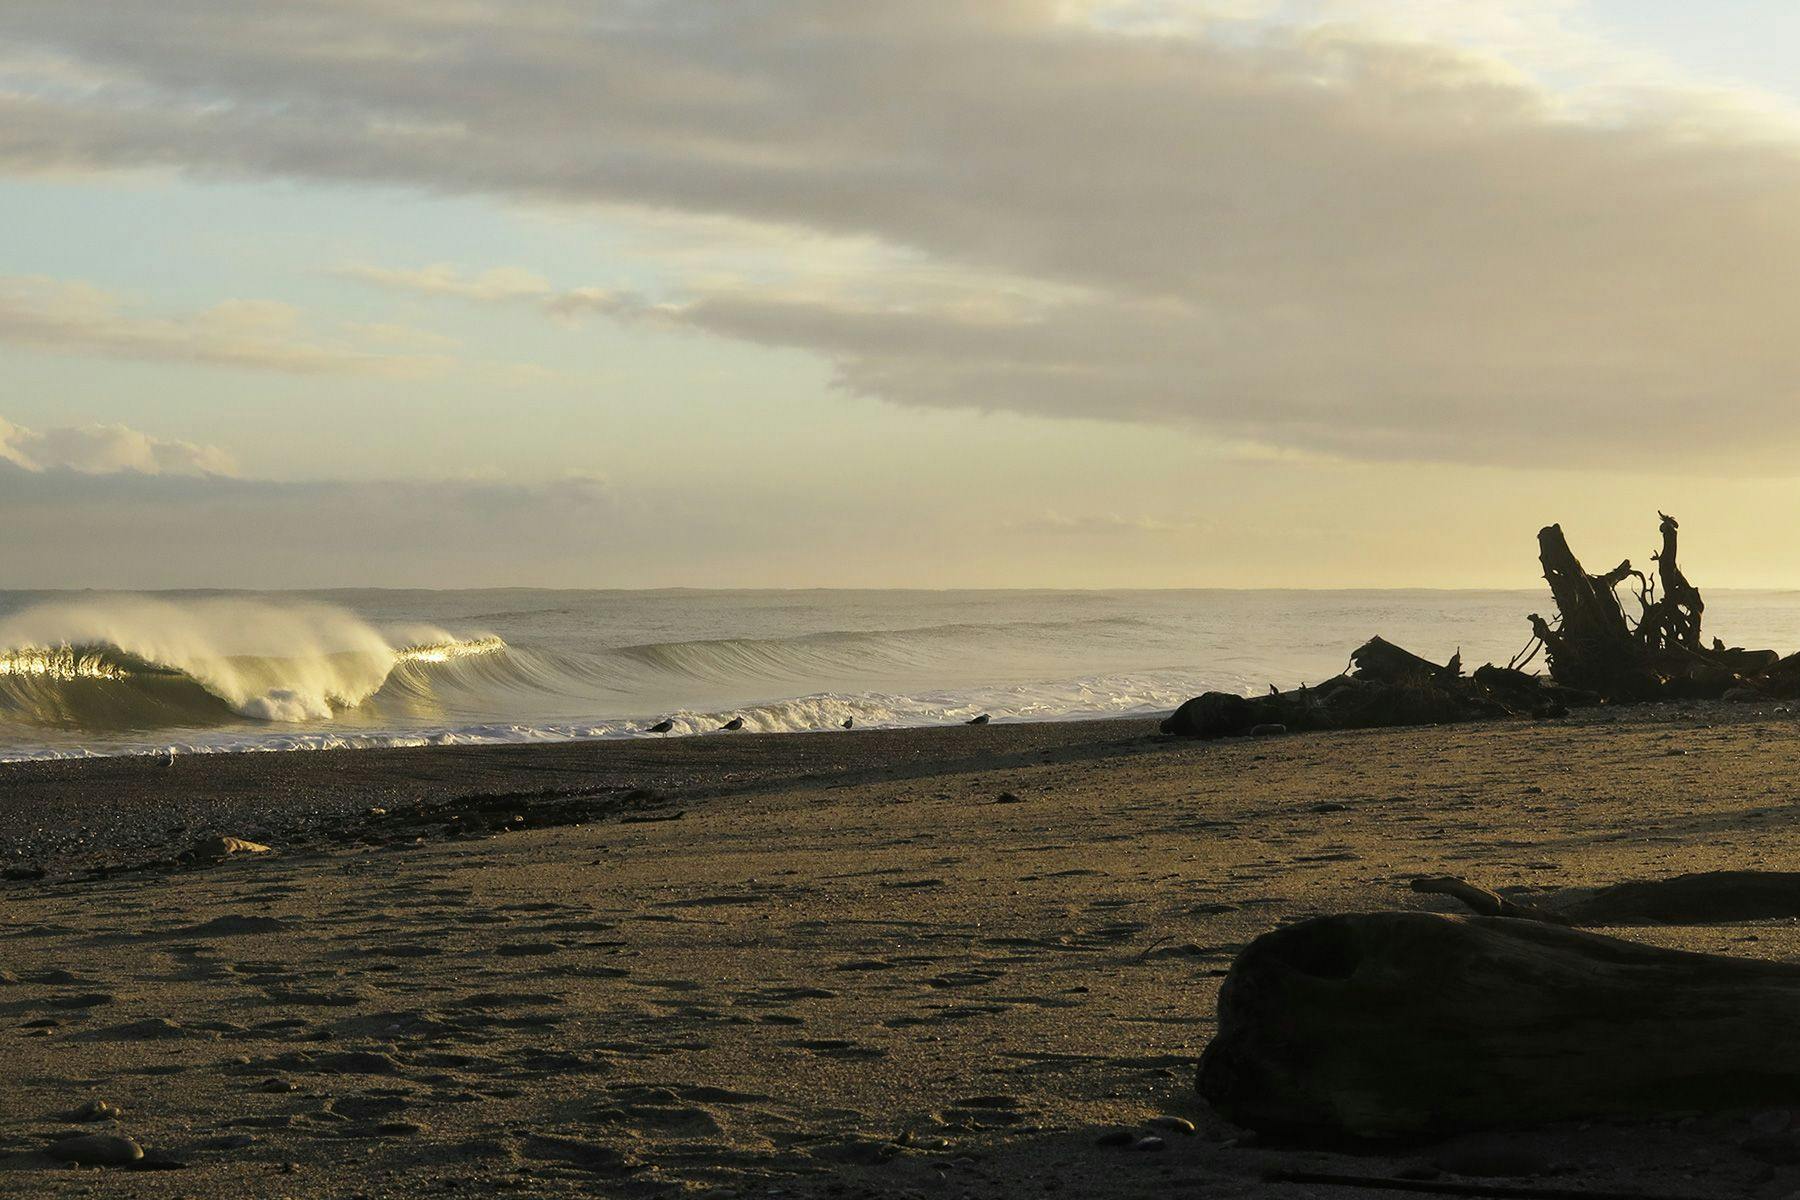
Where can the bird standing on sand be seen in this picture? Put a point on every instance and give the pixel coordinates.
(732, 726)
(662, 726)
(849, 722)
(981, 720)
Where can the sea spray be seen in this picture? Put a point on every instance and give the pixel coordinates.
(267, 659)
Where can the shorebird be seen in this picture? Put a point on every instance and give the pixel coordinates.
(849, 721)
(662, 726)
(732, 725)
(981, 720)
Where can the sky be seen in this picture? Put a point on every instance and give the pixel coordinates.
(753, 293)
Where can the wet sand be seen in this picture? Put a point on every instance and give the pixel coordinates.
(930, 963)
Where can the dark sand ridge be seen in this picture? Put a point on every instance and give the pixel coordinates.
(71, 813)
(904, 985)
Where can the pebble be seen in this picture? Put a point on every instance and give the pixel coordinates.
(1491, 1157)
(1174, 1124)
(1006, 798)
(95, 1110)
(1151, 1142)
(1773, 1120)
(217, 849)
(96, 1150)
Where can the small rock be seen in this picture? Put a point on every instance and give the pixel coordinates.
(1482, 1156)
(96, 1150)
(1006, 798)
(220, 848)
(1174, 1124)
(1778, 1149)
(94, 1110)
(277, 1086)
(857, 1151)
(57, 976)
(1330, 806)
(399, 1129)
(1268, 729)
(1773, 1120)
(1150, 1143)
(1113, 1138)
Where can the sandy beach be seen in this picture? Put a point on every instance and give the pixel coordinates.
(948, 962)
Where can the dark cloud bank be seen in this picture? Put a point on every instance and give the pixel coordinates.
(1312, 241)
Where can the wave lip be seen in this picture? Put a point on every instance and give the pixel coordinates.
(142, 662)
(66, 663)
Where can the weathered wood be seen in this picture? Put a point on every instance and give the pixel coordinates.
(1380, 660)
(1483, 902)
(1594, 647)
(1698, 898)
(1450, 1187)
(1395, 1024)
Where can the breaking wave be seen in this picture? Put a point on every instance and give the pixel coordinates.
(141, 662)
(124, 674)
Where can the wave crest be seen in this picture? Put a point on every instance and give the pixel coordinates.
(265, 660)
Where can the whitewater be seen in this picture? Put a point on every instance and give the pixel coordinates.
(94, 673)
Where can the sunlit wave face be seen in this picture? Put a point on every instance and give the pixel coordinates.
(443, 652)
(61, 662)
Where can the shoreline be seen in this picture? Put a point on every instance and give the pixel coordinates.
(72, 813)
(66, 815)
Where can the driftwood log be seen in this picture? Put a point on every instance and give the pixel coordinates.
(1385, 686)
(1401, 1024)
(1700, 898)
(1596, 654)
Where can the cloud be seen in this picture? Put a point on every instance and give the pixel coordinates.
(1104, 525)
(444, 279)
(72, 317)
(108, 449)
(1329, 238)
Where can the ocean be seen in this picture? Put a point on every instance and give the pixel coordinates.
(93, 673)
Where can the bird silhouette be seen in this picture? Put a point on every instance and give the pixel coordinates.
(662, 726)
(732, 725)
(849, 721)
(981, 720)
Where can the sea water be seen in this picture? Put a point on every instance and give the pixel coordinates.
(86, 673)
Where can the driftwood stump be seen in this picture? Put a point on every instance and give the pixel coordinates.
(1596, 648)
(1395, 1024)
